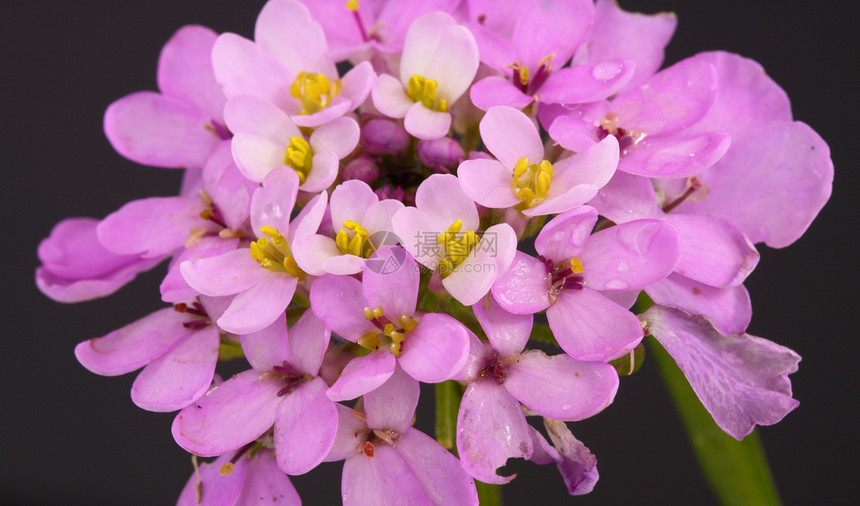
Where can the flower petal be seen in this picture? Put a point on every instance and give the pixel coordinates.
(185, 70)
(305, 428)
(675, 156)
(225, 274)
(728, 309)
(496, 91)
(508, 333)
(565, 237)
(510, 135)
(362, 375)
(426, 123)
(392, 404)
(488, 183)
(257, 307)
(435, 350)
(268, 347)
(389, 97)
(339, 302)
(390, 280)
(523, 288)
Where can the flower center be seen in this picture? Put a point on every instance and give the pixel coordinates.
(423, 90)
(300, 157)
(315, 91)
(495, 369)
(626, 138)
(292, 377)
(196, 309)
(531, 182)
(390, 334)
(358, 244)
(564, 276)
(274, 253)
(525, 81)
(457, 247)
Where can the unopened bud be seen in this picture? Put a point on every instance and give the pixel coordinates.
(362, 168)
(384, 137)
(443, 154)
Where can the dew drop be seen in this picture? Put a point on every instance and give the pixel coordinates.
(566, 407)
(623, 266)
(617, 284)
(606, 70)
(273, 211)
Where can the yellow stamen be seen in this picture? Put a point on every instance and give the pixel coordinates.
(391, 334)
(368, 314)
(315, 91)
(547, 61)
(456, 248)
(358, 244)
(524, 75)
(422, 89)
(300, 157)
(370, 341)
(531, 182)
(352, 5)
(274, 253)
(576, 266)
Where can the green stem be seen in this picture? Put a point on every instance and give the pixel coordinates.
(737, 471)
(488, 494)
(448, 395)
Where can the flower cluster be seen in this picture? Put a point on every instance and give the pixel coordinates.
(380, 194)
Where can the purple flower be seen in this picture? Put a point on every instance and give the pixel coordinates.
(491, 425)
(388, 462)
(439, 60)
(578, 275)
(379, 314)
(520, 176)
(440, 233)
(577, 465)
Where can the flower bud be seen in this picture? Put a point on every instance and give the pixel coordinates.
(443, 154)
(362, 168)
(384, 137)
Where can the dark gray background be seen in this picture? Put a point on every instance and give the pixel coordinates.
(70, 437)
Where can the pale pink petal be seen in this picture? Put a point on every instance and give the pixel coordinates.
(392, 404)
(524, 288)
(488, 183)
(497, 90)
(491, 428)
(339, 302)
(418, 232)
(255, 156)
(259, 306)
(425, 123)
(510, 135)
(309, 218)
(312, 253)
(561, 387)
(378, 218)
(389, 96)
(338, 107)
(423, 38)
(436, 349)
(287, 31)
(154, 129)
(627, 197)
(586, 83)
(491, 257)
(229, 416)
(308, 341)
(357, 83)
(213, 487)
(385, 479)
(728, 309)
(454, 63)
(508, 333)
(244, 68)
(631, 255)
(323, 172)
(229, 190)
(440, 196)
(305, 428)
(390, 280)
(349, 201)
(438, 470)
(268, 347)
(494, 47)
(742, 380)
(362, 375)
(133, 345)
(173, 287)
(272, 205)
(226, 274)
(675, 156)
(588, 326)
(151, 227)
(180, 376)
(185, 70)
(266, 484)
(566, 235)
(254, 115)
(339, 137)
(350, 430)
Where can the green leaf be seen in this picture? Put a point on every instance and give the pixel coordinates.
(448, 395)
(737, 471)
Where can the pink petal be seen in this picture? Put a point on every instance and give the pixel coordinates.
(728, 309)
(524, 288)
(454, 62)
(425, 123)
(436, 349)
(491, 428)
(495, 91)
(212, 486)
(575, 462)
(350, 432)
(390, 280)
(491, 257)
(440, 196)
(488, 183)
(510, 135)
(185, 70)
(339, 302)
(386, 479)
(229, 416)
(675, 156)
(312, 253)
(323, 172)
(392, 404)
(586, 83)
(588, 326)
(272, 205)
(627, 197)
(565, 236)
(439, 472)
(631, 255)
(180, 376)
(244, 68)
(418, 232)
(555, 28)
(741, 379)
(362, 375)
(338, 107)
(561, 387)
(228, 188)
(259, 306)
(225, 274)
(508, 333)
(390, 97)
(308, 341)
(305, 428)
(287, 31)
(422, 42)
(349, 201)
(357, 83)
(153, 129)
(255, 156)
(268, 347)
(339, 137)
(254, 115)
(309, 218)
(265, 483)
(133, 345)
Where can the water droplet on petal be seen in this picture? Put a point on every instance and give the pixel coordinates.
(616, 284)
(273, 211)
(606, 70)
(566, 407)
(623, 266)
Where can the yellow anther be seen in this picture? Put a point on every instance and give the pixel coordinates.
(377, 312)
(273, 253)
(395, 348)
(315, 91)
(269, 231)
(300, 157)
(352, 5)
(456, 248)
(422, 89)
(368, 314)
(547, 61)
(576, 266)
(531, 182)
(407, 323)
(206, 214)
(370, 341)
(226, 469)
(388, 329)
(205, 196)
(358, 244)
(293, 268)
(524, 75)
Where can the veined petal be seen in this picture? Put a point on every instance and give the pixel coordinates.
(497, 91)
(305, 428)
(436, 349)
(267, 347)
(551, 28)
(741, 379)
(586, 83)
(180, 376)
(229, 416)
(213, 487)
(728, 309)
(566, 235)
(339, 302)
(257, 307)
(390, 279)
(510, 135)
(524, 288)
(266, 483)
(185, 70)
(508, 333)
(362, 375)
(308, 341)
(392, 405)
(627, 197)
(675, 156)
(385, 479)
(437, 469)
